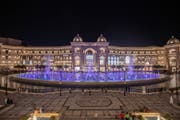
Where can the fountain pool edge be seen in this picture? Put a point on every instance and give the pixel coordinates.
(63, 84)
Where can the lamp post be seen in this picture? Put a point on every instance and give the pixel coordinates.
(124, 69)
(60, 82)
(60, 88)
(177, 94)
(6, 93)
(6, 75)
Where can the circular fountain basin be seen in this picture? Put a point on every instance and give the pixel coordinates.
(86, 79)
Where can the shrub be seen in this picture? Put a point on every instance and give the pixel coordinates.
(24, 117)
(168, 116)
(52, 118)
(141, 117)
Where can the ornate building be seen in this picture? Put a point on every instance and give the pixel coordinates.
(99, 56)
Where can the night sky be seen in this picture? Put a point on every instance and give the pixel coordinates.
(124, 23)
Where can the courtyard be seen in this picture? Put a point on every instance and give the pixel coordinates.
(80, 105)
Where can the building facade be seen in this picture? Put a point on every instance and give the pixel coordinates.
(99, 56)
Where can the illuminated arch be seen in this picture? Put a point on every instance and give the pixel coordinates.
(90, 49)
(172, 51)
(102, 50)
(77, 49)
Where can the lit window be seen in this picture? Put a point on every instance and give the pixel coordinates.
(102, 60)
(24, 62)
(77, 69)
(127, 60)
(77, 60)
(30, 62)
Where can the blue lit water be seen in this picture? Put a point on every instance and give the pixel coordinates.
(89, 76)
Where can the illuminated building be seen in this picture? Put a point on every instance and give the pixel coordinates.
(99, 55)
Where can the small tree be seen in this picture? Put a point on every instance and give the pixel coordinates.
(141, 117)
(52, 118)
(24, 117)
(168, 116)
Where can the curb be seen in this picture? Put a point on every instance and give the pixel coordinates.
(7, 108)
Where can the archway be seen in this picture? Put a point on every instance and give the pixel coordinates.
(90, 59)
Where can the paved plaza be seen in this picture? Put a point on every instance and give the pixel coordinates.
(82, 106)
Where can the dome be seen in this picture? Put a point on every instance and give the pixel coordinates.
(173, 40)
(77, 38)
(101, 38)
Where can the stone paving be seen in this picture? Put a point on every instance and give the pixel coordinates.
(93, 102)
(78, 106)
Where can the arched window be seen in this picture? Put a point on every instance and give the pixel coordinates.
(89, 58)
(109, 60)
(172, 61)
(115, 60)
(77, 60)
(89, 52)
(127, 60)
(102, 60)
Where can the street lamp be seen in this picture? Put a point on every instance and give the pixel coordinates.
(124, 69)
(6, 77)
(177, 94)
(6, 74)
(6, 93)
(60, 88)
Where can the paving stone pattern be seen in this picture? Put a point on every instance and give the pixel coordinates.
(97, 106)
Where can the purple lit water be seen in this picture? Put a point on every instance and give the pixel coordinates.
(89, 76)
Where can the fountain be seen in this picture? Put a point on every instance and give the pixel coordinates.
(90, 76)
